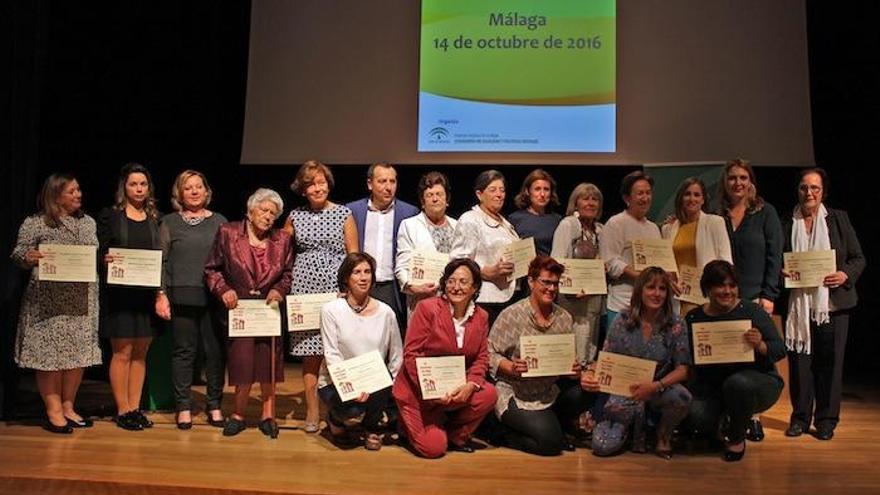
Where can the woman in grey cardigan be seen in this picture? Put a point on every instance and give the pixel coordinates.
(187, 236)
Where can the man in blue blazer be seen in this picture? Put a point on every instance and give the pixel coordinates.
(378, 219)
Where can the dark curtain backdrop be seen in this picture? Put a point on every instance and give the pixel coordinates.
(90, 87)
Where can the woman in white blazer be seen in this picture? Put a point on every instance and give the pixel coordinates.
(430, 230)
(697, 237)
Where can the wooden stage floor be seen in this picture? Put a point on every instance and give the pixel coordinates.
(164, 460)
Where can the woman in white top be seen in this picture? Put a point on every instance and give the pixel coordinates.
(577, 236)
(431, 230)
(351, 326)
(480, 235)
(615, 241)
(697, 237)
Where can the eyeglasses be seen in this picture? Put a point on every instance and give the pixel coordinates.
(548, 284)
(461, 283)
(809, 188)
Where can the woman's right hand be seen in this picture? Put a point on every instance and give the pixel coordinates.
(421, 291)
(498, 273)
(32, 257)
(230, 299)
(108, 258)
(588, 379)
(515, 367)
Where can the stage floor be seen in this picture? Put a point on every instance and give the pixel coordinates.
(106, 459)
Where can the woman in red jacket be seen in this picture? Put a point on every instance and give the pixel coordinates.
(448, 325)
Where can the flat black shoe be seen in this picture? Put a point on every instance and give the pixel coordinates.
(664, 454)
(568, 446)
(83, 423)
(216, 423)
(794, 430)
(755, 430)
(233, 427)
(467, 448)
(128, 421)
(730, 456)
(142, 419)
(269, 428)
(63, 430)
(824, 433)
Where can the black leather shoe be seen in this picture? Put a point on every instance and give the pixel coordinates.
(824, 433)
(794, 430)
(129, 421)
(755, 430)
(269, 428)
(233, 427)
(730, 456)
(216, 423)
(568, 446)
(83, 423)
(467, 448)
(142, 419)
(63, 430)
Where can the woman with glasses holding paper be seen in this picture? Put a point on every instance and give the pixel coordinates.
(323, 232)
(353, 326)
(817, 317)
(647, 329)
(128, 315)
(252, 260)
(436, 420)
(538, 409)
(58, 321)
(731, 381)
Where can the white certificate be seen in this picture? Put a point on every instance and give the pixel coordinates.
(520, 253)
(617, 373)
(587, 276)
(365, 373)
(689, 283)
(719, 342)
(439, 375)
(547, 355)
(426, 267)
(138, 267)
(808, 268)
(304, 310)
(67, 263)
(255, 318)
(654, 252)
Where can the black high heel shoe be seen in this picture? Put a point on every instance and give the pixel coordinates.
(183, 425)
(63, 430)
(731, 456)
(216, 423)
(755, 430)
(82, 423)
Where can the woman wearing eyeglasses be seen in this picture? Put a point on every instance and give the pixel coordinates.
(448, 325)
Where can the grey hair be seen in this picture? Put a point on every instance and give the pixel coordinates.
(264, 194)
(584, 190)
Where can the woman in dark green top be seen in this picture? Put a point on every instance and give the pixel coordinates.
(737, 390)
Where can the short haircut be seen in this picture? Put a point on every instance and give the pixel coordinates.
(430, 180)
(679, 197)
(264, 194)
(180, 181)
(47, 200)
(455, 265)
(630, 180)
(523, 200)
(372, 169)
(487, 177)
(822, 175)
(305, 176)
(348, 265)
(584, 190)
(715, 273)
(544, 263)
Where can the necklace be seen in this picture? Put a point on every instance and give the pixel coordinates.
(358, 309)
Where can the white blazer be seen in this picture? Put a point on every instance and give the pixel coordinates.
(712, 242)
(413, 234)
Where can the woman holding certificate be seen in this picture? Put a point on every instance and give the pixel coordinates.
(818, 317)
(58, 322)
(577, 237)
(735, 348)
(449, 325)
(535, 216)
(537, 406)
(616, 239)
(322, 232)
(697, 237)
(354, 326)
(187, 236)
(480, 235)
(128, 320)
(431, 231)
(647, 329)
(756, 241)
(252, 260)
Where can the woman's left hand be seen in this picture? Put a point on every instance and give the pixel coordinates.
(835, 280)
(275, 296)
(755, 339)
(643, 391)
(362, 398)
(163, 306)
(462, 394)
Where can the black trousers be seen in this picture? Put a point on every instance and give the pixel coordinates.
(740, 395)
(193, 327)
(816, 379)
(387, 293)
(372, 410)
(543, 432)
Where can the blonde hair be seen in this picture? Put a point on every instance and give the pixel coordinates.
(180, 181)
(47, 200)
(584, 190)
(753, 201)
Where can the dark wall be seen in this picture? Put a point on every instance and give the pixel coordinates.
(164, 84)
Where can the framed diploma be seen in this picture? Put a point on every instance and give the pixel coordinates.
(439, 375)
(587, 276)
(304, 310)
(254, 318)
(135, 267)
(365, 373)
(617, 373)
(520, 253)
(67, 263)
(689, 282)
(720, 342)
(808, 268)
(654, 252)
(547, 355)
(426, 267)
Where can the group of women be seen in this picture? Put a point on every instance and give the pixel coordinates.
(476, 310)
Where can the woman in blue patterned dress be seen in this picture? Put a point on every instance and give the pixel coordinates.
(323, 233)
